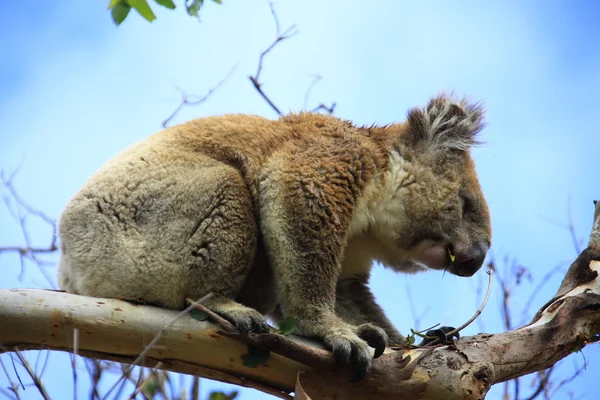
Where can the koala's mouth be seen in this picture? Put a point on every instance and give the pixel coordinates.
(468, 262)
(433, 254)
(439, 255)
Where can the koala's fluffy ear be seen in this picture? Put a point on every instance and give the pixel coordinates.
(446, 123)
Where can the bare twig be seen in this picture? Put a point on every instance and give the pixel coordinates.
(490, 273)
(12, 360)
(21, 211)
(141, 386)
(538, 288)
(95, 370)
(574, 239)
(154, 341)
(320, 359)
(330, 109)
(194, 100)
(74, 360)
(543, 379)
(255, 79)
(38, 383)
(316, 79)
(594, 240)
(14, 388)
(8, 394)
(222, 322)
(569, 226)
(195, 389)
(569, 379)
(413, 310)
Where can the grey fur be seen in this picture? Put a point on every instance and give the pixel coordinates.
(282, 218)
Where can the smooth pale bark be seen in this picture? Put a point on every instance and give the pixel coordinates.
(119, 331)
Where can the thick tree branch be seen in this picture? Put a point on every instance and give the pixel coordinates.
(119, 331)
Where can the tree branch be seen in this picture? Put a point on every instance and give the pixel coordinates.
(119, 331)
(194, 100)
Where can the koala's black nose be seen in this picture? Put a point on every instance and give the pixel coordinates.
(469, 262)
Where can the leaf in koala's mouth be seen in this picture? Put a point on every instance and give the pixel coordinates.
(452, 256)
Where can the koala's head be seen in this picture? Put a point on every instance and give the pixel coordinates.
(447, 222)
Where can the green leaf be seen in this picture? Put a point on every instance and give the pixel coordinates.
(222, 396)
(452, 256)
(218, 1)
(256, 356)
(198, 315)
(142, 7)
(119, 12)
(287, 326)
(166, 3)
(194, 7)
(113, 3)
(150, 387)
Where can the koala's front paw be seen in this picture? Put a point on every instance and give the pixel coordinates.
(245, 319)
(350, 345)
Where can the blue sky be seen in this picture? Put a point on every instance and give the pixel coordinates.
(75, 90)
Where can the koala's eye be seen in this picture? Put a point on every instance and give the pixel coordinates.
(468, 204)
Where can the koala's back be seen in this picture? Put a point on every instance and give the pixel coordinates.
(160, 220)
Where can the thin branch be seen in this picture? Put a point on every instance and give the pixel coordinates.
(74, 360)
(413, 310)
(507, 320)
(490, 273)
(140, 386)
(7, 394)
(279, 37)
(195, 389)
(194, 100)
(154, 341)
(12, 360)
(322, 106)
(20, 213)
(280, 344)
(38, 383)
(13, 386)
(95, 373)
(574, 239)
(330, 109)
(544, 378)
(594, 241)
(316, 79)
(563, 382)
(538, 288)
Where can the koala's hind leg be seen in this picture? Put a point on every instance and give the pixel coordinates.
(222, 248)
(175, 231)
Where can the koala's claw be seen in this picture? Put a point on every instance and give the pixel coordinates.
(374, 336)
(246, 320)
(349, 349)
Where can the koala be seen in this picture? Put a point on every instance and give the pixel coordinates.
(283, 218)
